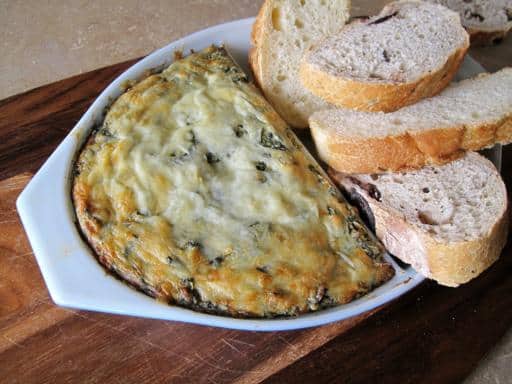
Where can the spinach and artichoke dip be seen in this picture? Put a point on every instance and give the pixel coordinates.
(196, 192)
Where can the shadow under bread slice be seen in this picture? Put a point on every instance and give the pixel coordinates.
(196, 192)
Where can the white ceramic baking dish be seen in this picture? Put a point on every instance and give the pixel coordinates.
(73, 276)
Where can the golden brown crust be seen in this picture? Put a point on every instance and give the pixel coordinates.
(386, 97)
(259, 34)
(410, 150)
(257, 28)
(256, 36)
(255, 57)
(128, 189)
(89, 228)
(457, 263)
(253, 64)
(397, 153)
(487, 135)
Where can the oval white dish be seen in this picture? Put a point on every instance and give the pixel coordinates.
(73, 276)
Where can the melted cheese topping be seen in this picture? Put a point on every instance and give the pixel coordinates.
(195, 191)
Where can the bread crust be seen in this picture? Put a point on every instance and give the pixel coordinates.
(259, 34)
(386, 97)
(458, 263)
(409, 150)
(450, 264)
(256, 37)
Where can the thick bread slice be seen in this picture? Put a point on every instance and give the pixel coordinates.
(449, 222)
(486, 21)
(283, 30)
(411, 50)
(468, 115)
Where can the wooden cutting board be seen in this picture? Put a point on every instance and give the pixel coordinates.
(432, 334)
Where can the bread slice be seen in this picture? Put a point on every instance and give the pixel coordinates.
(283, 30)
(487, 22)
(410, 51)
(469, 115)
(449, 222)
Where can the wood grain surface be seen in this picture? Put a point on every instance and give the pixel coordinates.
(432, 334)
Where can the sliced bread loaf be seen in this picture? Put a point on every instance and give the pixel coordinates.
(283, 30)
(486, 21)
(449, 222)
(411, 50)
(468, 115)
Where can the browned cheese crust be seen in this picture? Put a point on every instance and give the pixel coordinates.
(194, 191)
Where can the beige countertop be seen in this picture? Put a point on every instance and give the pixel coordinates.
(44, 41)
